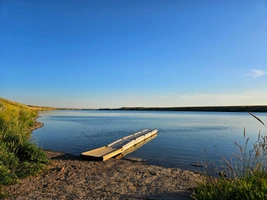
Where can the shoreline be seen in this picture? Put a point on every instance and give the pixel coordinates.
(71, 177)
(37, 125)
(247, 108)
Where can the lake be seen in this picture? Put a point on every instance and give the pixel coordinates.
(183, 138)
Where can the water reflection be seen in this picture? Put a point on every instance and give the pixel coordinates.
(183, 138)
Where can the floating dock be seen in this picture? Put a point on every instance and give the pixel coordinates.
(122, 146)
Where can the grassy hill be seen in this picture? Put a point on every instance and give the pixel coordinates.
(18, 157)
(15, 105)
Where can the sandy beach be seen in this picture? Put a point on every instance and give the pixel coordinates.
(70, 177)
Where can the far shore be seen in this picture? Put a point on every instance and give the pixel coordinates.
(258, 108)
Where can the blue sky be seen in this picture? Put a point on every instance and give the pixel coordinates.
(96, 54)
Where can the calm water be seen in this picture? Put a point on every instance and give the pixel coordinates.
(183, 137)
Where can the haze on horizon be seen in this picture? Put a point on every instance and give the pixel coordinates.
(96, 54)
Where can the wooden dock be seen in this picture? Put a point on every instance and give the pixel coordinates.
(122, 146)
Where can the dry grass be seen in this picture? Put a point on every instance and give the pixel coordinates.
(245, 173)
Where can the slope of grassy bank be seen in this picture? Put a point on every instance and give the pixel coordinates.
(18, 157)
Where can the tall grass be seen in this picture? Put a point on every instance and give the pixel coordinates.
(244, 176)
(18, 157)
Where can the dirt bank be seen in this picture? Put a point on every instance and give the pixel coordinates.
(69, 177)
(37, 125)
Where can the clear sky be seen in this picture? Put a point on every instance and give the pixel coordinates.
(95, 54)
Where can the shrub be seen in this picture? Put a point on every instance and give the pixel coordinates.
(29, 152)
(7, 158)
(18, 157)
(6, 176)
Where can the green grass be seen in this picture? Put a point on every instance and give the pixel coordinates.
(18, 157)
(251, 188)
(246, 174)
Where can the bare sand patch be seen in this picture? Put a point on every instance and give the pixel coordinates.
(70, 177)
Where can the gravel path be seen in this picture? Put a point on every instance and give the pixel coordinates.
(69, 177)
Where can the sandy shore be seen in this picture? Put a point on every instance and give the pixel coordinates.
(70, 177)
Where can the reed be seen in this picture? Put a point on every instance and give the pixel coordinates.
(244, 175)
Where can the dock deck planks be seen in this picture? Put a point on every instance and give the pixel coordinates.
(119, 146)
